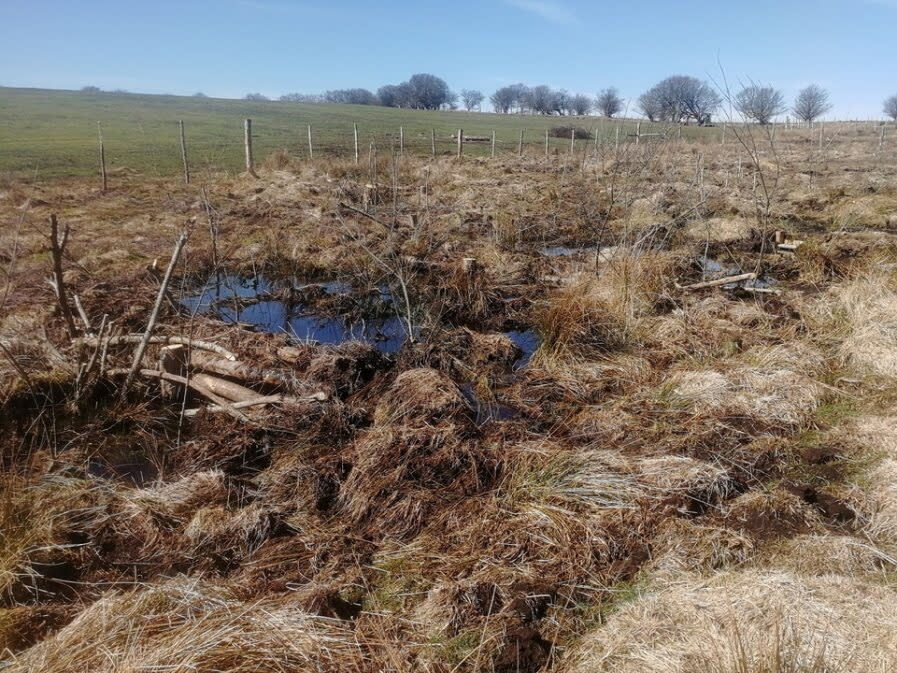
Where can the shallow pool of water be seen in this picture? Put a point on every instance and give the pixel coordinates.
(249, 301)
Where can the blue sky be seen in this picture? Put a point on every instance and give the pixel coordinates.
(231, 47)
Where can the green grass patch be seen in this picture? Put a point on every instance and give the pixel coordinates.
(46, 133)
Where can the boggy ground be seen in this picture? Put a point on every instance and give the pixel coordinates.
(676, 480)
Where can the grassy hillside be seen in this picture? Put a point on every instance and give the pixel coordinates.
(54, 133)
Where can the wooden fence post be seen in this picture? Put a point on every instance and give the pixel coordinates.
(311, 153)
(460, 141)
(401, 140)
(247, 145)
(433, 142)
(520, 144)
(102, 155)
(638, 132)
(546, 143)
(184, 152)
(493, 143)
(355, 134)
(572, 140)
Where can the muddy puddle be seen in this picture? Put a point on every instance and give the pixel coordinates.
(258, 304)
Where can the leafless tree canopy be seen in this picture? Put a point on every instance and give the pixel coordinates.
(760, 103)
(255, 96)
(890, 107)
(471, 98)
(351, 97)
(678, 99)
(581, 104)
(811, 103)
(609, 102)
(508, 98)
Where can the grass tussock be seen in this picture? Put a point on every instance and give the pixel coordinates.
(751, 621)
(186, 625)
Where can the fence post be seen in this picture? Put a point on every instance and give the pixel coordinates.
(184, 152)
(596, 138)
(311, 153)
(493, 143)
(460, 141)
(355, 135)
(546, 143)
(433, 142)
(617, 138)
(401, 140)
(247, 145)
(520, 144)
(572, 139)
(102, 155)
(638, 132)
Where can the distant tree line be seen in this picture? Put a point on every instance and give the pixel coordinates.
(679, 99)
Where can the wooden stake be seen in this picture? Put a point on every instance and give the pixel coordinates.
(102, 155)
(460, 141)
(247, 144)
(493, 143)
(147, 335)
(572, 139)
(311, 153)
(57, 249)
(546, 143)
(401, 140)
(638, 132)
(520, 144)
(184, 152)
(355, 133)
(433, 142)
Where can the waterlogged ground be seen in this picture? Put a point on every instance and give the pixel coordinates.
(577, 464)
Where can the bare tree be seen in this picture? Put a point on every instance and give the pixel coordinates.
(680, 98)
(255, 97)
(581, 104)
(760, 103)
(811, 103)
(471, 98)
(890, 107)
(608, 102)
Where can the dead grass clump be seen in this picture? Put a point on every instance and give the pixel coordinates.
(24, 625)
(719, 229)
(772, 514)
(829, 554)
(47, 533)
(464, 355)
(342, 370)
(868, 305)
(682, 485)
(770, 385)
(228, 536)
(28, 357)
(279, 160)
(845, 255)
(402, 473)
(186, 625)
(422, 396)
(687, 545)
(578, 323)
(748, 621)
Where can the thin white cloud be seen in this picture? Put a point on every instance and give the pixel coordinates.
(545, 9)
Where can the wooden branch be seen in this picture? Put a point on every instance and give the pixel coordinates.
(260, 401)
(136, 338)
(719, 281)
(190, 383)
(144, 342)
(237, 369)
(229, 390)
(57, 248)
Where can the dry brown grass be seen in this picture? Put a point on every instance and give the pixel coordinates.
(754, 621)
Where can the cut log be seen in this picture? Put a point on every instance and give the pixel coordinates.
(172, 360)
(236, 369)
(718, 282)
(223, 388)
(261, 401)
